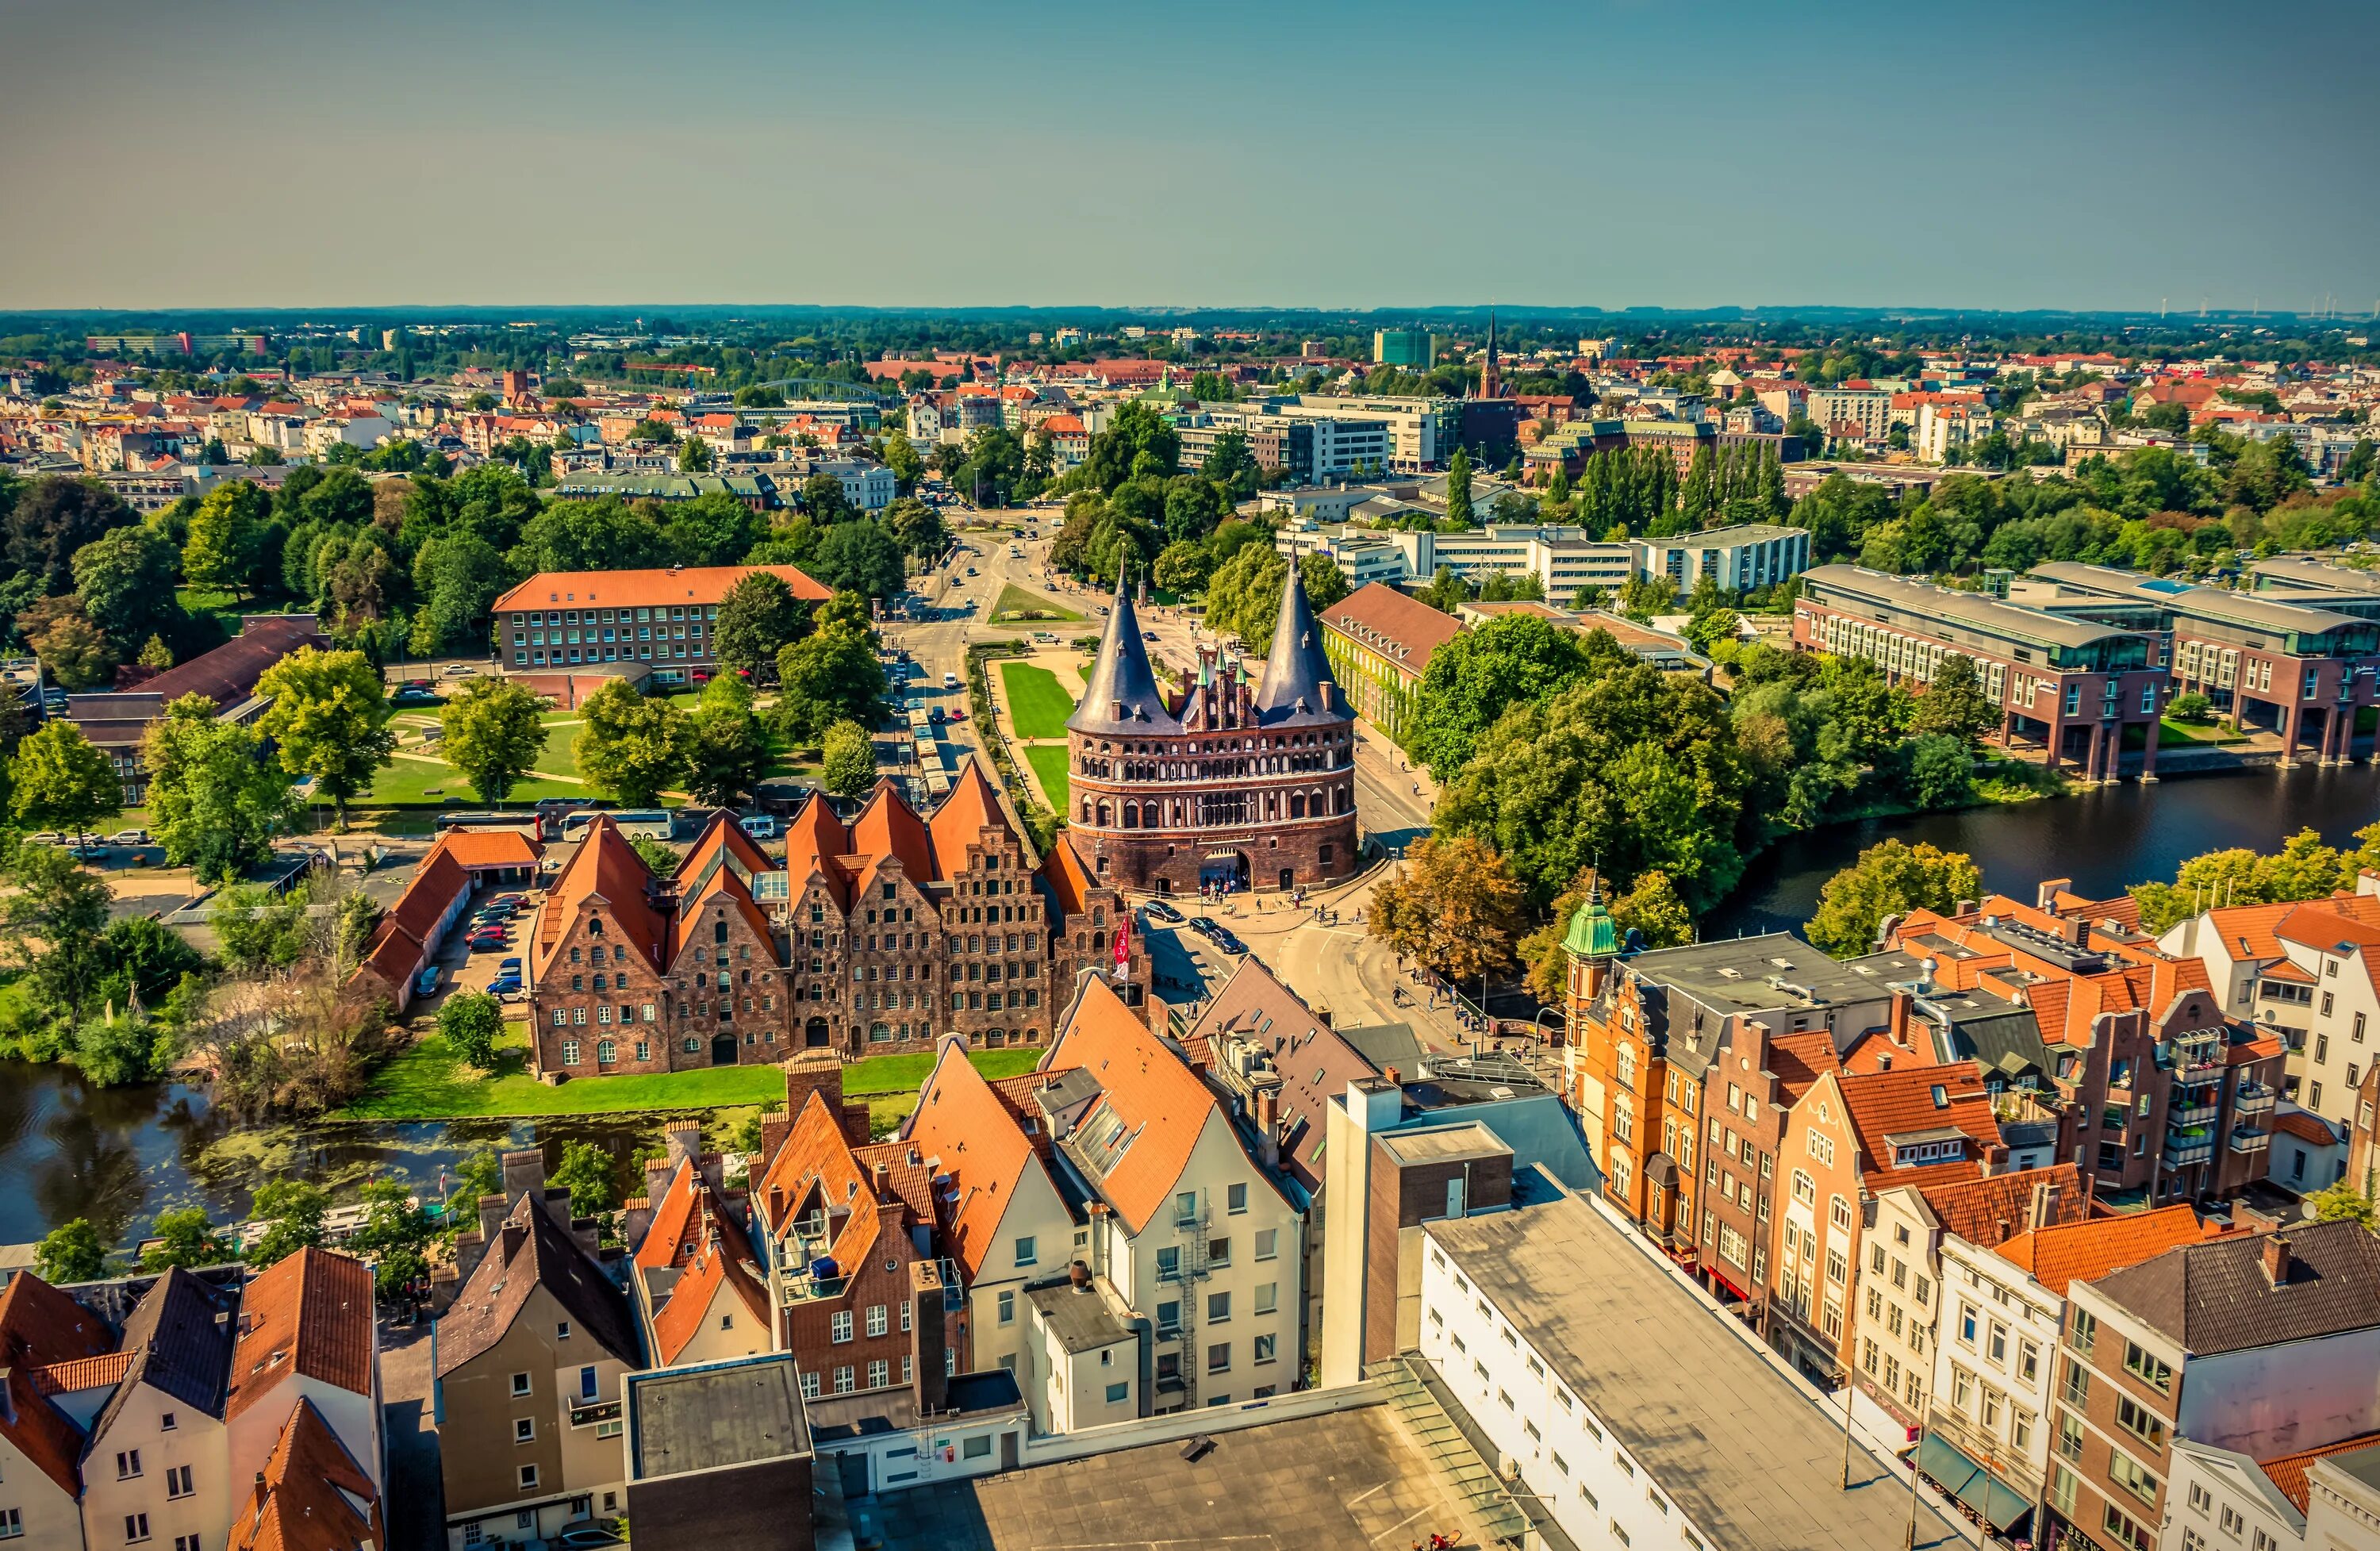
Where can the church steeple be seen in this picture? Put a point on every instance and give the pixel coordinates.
(1491, 383)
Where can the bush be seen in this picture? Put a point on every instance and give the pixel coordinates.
(2191, 708)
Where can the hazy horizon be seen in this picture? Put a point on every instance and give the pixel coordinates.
(260, 154)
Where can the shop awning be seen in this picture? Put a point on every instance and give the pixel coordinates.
(1949, 1468)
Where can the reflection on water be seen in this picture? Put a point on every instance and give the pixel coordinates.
(2102, 839)
(121, 1155)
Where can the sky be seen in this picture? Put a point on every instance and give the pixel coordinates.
(1595, 154)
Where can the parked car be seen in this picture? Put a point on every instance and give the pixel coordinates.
(508, 967)
(487, 937)
(504, 984)
(511, 902)
(1149, 634)
(1228, 943)
(128, 837)
(1162, 913)
(90, 851)
(1205, 926)
(426, 982)
(45, 837)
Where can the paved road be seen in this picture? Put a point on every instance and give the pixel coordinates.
(416, 1495)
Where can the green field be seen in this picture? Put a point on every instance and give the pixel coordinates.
(2170, 731)
(1049, 762)
(410, 782)
(1037, 704)
(1016, 606)
(428, 1080)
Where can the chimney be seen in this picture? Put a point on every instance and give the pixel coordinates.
(515, 1235)
(819, 1072)
(926, 1338)
(491, 1217)
(684, 1141)
(1896, 1027)
(2078, 930)
(524, 1174)
(1078, 1276)
(2044, 1207)
(2277, 1259)
(883, 1180)
(775, 1126)
(1389, 1076)
(2000, 1228)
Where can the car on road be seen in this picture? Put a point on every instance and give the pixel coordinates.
(458, 671)
(970, 570)
(1162, 913)
(1149, 634)
(759, 826)
(949, 681)
(1205, 926)
(1044, 638)
(1227, 942)
(128, 837)
(90, 851)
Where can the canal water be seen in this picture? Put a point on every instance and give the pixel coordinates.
(120, 1156)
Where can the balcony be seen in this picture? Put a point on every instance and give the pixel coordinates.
(2254, 1098)
(594, 1412)
(2248, 1141)
(2191, 1110)
(2183, 1147)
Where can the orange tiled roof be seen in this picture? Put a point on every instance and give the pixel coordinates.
(1146, 1086)
(307, 1500)
(1976, 1209)
(605, 867)
(714, 1264)
(961, 1128)
(83, 1373)
(2305, 1128)
(888, 826)
(309, 1314)
(490, 848)
(1884, 1104)
(40, 1324)
(723, 887)
(1800, 1059)
(2080, 1252)
(2288, 1471)
(960, 818)
(703, 585)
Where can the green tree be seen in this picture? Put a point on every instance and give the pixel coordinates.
(54, 922)
(1454, 906)
(916, 528)
(1182, 567)
(458, 576)
(1458, 490)
(188, 1239)
(1890, 879)
(214, 799)
(849, 759)
(588, 536)
(632, 747)
(727, 750)
(587, 1173)
(1954, 704)
(70, 1252)
(59, 782)
(758, 618)
(329, 718)
(125, 578)
(1230, 464)
(472, 1022)
(2344, 1201)
(292, 1211)
(859, 557)
(226, 538)
(116, 1049)
(480, 1173)
(694, 456)
(1138, 441)
(1653, 910)
(395, 1236)
(828, 677)
(493, 735)
(1473, 679)
(901, 457)
(714, 528)
(1941, 771)
(73, 651)
(2304, 868)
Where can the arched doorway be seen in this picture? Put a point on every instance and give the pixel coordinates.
(1224, 869)
(814, 1034)
(723, 1049)
(1289, 878)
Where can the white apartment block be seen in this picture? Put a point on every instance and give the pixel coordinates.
(1869, 408)
(1420, 435)
(1943, 428)
(1633, 1410)
(1738, 559)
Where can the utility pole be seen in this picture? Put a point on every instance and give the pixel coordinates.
(1847, 1429)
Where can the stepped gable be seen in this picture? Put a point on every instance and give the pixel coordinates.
(1124, 700)
(1298, 689)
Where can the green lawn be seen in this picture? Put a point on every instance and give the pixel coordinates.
(427, 1080)
(408, 783)
(1015, 605)
(1036, 702)
(2172, 731)
(1049, 762)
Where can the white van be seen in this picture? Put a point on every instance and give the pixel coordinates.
(759, 826)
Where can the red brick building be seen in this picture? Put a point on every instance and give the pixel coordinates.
(1224, 783)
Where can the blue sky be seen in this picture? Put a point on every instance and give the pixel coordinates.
(1598, 153)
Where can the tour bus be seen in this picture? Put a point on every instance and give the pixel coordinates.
(635, 823)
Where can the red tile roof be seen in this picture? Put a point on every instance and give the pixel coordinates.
(490, 848)
(1887, 1104)
(1402, 629)
(960, 1127)
(1161, 1101)
(2306, 1128)
(83, 1373)
(2288, 1471)
(692, 1232)
(606, 870)
(308, 1497)
(1980, 1210)
(637, 589)
(2080, 1252)
(309, 1314)
(40, 1325)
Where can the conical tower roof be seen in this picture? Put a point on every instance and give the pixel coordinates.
(1122, 699)
(1298, 687)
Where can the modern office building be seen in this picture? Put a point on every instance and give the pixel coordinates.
(1737, 559)
(2293, 668)
(2082, 691)
(1415, 349)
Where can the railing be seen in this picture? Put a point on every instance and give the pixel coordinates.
(2250, 1140)
(2196, 1112)
(599, 1411)
(2255, 1099)
(2180, 1149)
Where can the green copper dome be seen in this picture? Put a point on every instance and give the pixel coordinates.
(1592, 935)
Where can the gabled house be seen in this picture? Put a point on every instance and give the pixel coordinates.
(695, 1281)
(312, 1494)
(529, 1361)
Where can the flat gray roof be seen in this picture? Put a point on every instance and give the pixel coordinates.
(1440, 1143)
(713, 1415)
(1715, 538)
(1973, 610)
(2208, 602)
(1752, 1457)
(1352, 1478)
(1755, 974)
(1080, 1318)
(2307, 572)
